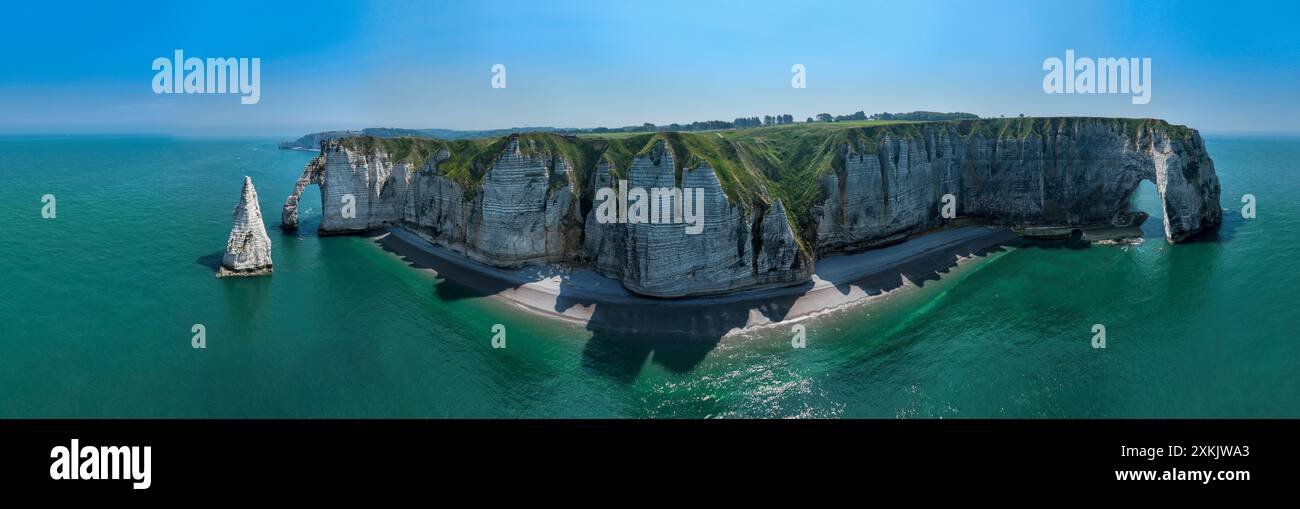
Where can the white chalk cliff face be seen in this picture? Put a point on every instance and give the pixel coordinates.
(519, 217)
(738, 249)
(248, 252)
(516, 217)
(1080, 177)
(525, 210)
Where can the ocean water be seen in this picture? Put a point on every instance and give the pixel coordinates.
(98, 304)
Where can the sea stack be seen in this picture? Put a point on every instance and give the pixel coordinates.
(248, 252)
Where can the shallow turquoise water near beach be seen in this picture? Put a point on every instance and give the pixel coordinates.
(97, 307)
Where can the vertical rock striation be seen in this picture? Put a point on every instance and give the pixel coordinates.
(248, 251)
(1079, 174)
(739, 248)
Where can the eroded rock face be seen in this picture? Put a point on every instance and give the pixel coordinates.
(515, 218)
(526, 211)
(248, 251)
(1185, 178)
(1078, 178)
(737, 249)
(361, 192)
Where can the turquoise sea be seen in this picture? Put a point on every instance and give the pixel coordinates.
(98, 304)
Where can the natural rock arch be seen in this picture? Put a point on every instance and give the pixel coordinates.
(312, 174)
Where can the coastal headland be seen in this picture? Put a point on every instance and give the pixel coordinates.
(794, 219)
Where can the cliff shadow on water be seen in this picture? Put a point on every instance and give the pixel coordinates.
(211, 260)
(468, 283)
(624, 336)
(674, 333)
(679, 333)
(247, 297)
(1225, 231)
(678, 337)
(627, 330)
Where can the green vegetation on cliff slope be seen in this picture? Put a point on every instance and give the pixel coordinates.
(754, 166)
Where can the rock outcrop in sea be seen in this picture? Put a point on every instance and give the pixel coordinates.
(248, 252)
(775, 199)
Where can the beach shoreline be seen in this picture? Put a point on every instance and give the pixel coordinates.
(601, 303)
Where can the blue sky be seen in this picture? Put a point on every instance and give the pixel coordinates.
(85, 67)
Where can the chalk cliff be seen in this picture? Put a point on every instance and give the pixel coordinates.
(1079, 173)
(739, 247)
(774, 199)
(248, 251)
(516, 216)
